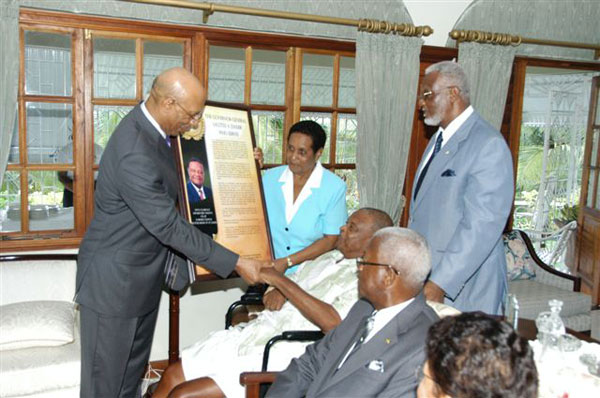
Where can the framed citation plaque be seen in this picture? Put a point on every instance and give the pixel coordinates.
(222, 184)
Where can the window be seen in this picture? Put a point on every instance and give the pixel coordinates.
(42, 146)
(553, 123)
(323, 92)
(78, 82)
(328, 98)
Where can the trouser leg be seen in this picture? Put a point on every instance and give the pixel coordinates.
(139, 356)
(114, 352)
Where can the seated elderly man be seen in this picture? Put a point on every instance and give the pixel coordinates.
(321, 292)
(474, 356)
(378, 346)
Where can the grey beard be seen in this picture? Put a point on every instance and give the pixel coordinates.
(432, 121)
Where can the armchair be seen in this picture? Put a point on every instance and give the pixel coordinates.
(39, 331)
(534, 283)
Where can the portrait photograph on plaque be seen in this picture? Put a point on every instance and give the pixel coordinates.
(221, 181)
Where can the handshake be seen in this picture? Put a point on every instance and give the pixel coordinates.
(250, 270)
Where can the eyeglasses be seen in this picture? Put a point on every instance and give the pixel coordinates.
(194, 117)
(427, 95)
(360, 262)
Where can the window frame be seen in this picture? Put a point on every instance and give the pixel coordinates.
(83, 29)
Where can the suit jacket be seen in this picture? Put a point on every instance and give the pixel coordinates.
(122, 256)
(193, 196)
(461, 209)
(397, 349)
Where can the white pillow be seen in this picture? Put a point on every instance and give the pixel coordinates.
(36, 324)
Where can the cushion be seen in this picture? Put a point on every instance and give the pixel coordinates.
(533, 298)
(518, 260)
(36, 324)
(42, 372)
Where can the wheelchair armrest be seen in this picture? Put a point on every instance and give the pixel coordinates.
(253, 296)
(290, 335)
(253, 381)
(302, 335)
(254, 293)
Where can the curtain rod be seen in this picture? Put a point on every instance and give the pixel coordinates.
(506, 39)
(363, 24)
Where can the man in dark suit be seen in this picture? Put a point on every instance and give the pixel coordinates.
(378, 346)
(135, 229)
(462, 196)
(196, 190)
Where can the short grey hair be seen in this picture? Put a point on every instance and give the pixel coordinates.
(453, 73)
(407, 252)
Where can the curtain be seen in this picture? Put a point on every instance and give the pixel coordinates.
(9, 76)
(488, 68)
(387, 76)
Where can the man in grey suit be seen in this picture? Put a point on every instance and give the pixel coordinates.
(378, 346)
(135, 229)
(462, 196)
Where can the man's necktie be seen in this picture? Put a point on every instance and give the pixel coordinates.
(367, 326)
(436, 149)
(202, 197)
(168, 141)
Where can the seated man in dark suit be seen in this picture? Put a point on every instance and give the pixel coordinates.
(378, 346)
(196, 190)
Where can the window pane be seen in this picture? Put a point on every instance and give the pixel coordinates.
(46, 209)
(49, 129)
(268, 77)
(226, 69)
(106, 119)
(268, 131)
(590, 193)
(159, 56)
(10, 206)
(47, 63)
(349, 176)
(597, 108)
(345, 147)
(347, 92)
(550, 159)
(324, 119)
(13, 153)
(597, 190)
(595, 145)
(114, 68)
(317, 80)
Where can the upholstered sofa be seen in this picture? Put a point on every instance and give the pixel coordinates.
(534, 283)
(39, 341)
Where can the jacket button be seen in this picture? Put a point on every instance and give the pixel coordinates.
(288, 248)
(287, 229)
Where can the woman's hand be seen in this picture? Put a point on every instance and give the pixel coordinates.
(259, 157)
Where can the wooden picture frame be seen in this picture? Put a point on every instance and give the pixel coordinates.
(230, 205)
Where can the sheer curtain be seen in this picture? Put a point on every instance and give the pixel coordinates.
(387, 76)
(488, 68)
(9, 76)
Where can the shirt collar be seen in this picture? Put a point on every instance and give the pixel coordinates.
(385, 315)
(314, 181)
(152, 120)
(454, 125)
(287, 178)
(198, 188)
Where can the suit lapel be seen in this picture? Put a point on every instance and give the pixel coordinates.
(443, 157)
(380, 343)
(164, 154)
